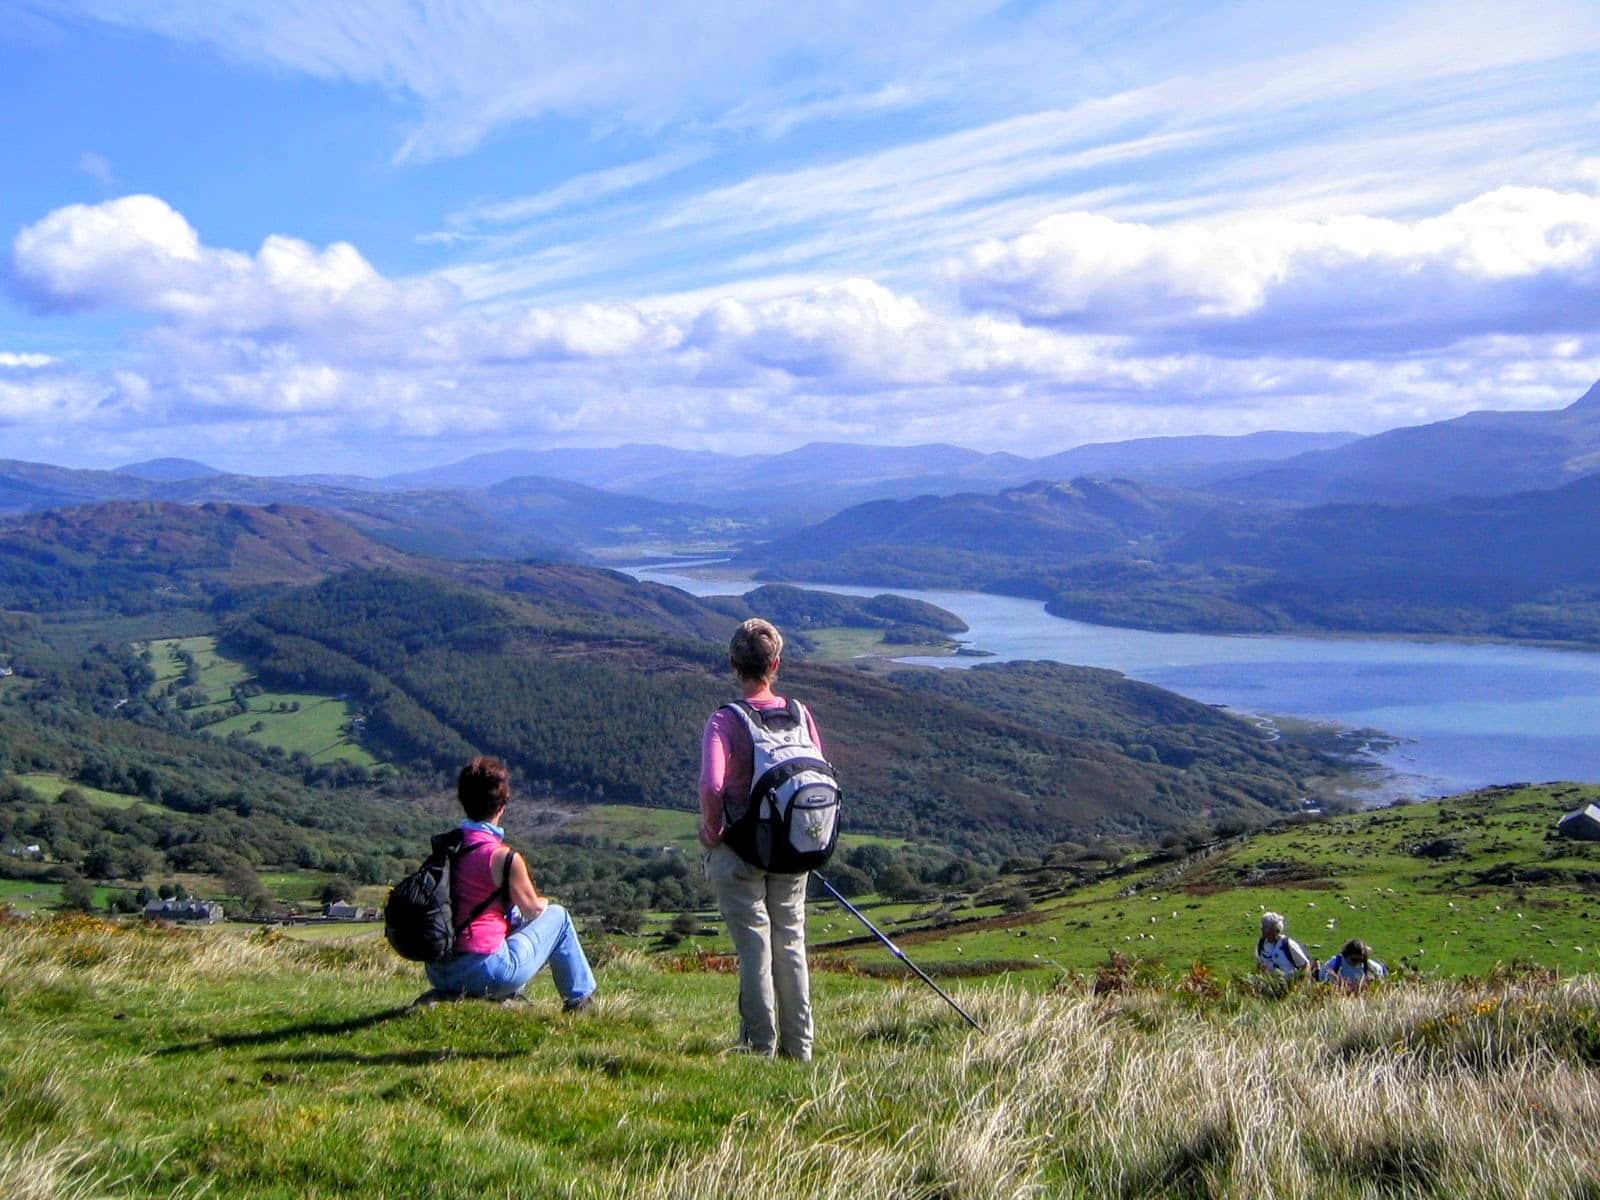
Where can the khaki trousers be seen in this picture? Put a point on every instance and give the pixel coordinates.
(766, 917)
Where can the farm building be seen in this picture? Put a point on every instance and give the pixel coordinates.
(1583, 823)
(206, 911)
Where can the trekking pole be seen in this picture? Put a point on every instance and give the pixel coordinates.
(896, 951)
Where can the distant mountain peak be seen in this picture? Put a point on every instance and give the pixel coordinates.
(1590, 399)
(168, 470)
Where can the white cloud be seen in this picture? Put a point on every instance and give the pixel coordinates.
(1516, 260)
(11, 360)
(1095, 328)
(472, 69)
(138, 253)
(579, 190)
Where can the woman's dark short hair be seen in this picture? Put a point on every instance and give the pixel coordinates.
(1355, 950)
(483, 787)
(755, 649)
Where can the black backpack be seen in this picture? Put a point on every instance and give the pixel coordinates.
(418, 918)
(790, 823)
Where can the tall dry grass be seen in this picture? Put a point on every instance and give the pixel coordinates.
(1438, 1092)
(1488, 1089)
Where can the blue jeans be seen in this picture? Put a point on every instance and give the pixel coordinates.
(549, 937)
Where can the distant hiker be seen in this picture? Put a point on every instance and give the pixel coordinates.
(1353, 967)
(1277, 952)
(765, 910)
(506, 930)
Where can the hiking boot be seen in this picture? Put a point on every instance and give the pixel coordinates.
(434, 996)
(515, 1000)
(581, 1004)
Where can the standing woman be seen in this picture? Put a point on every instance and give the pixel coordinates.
(765, 911)
(507, 929)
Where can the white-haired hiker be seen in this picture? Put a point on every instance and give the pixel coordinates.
(1278, 953)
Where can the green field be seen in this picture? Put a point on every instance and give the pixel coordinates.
(1509, 890)
(296, 722)
(844, 643)
(50, 787)
(38, 896)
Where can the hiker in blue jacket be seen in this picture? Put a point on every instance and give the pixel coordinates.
(1353, 967)
(1277, 953)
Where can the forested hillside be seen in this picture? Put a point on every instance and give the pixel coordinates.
(593, 710)
(1517, 566)
(127, 762)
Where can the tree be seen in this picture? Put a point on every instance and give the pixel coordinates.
(77, 893)
(1015, 900)
(897, 883)
(686, 924)
(627, 920)
(101, 863)
(242, 881)
(848, 880)
(338, 890)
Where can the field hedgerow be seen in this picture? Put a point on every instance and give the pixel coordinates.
(149, 1063)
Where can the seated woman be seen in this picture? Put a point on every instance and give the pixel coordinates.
(1353, 966)
(501, 948)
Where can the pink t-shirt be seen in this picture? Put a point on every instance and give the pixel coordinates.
(727, 759)
(471, 883)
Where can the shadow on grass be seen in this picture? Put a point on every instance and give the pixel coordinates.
(223, 1041)
(396, 1058)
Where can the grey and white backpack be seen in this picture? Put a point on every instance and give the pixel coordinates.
(791, 821)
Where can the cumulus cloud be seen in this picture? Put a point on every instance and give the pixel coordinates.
(1515, 260)
(1089, 328)
(138, 253)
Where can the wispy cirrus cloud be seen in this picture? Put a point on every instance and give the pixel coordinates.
(1020, 225)
(470, 70)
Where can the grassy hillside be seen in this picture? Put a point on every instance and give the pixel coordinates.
(225, 698)
(1442, 889)
(149, 1063)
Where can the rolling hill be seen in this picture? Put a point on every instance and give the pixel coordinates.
(1523, 565)
(1479, 454)
(822, 478)
(595, 686)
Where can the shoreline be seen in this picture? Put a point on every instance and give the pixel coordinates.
(1397, 712)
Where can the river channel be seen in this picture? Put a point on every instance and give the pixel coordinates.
(1461, 715)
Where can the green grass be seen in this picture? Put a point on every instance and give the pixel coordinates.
(147, 1063)
(50, 787)
(1347, 877)
(38, 896)
(318, 728)
(634, 825)
(844, 643)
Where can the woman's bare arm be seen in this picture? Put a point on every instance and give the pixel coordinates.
(523, 894)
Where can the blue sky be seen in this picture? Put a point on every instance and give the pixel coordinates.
(374, 236)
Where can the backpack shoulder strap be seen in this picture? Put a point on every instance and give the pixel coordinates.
(502, 894)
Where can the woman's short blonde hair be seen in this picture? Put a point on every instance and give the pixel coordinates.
(755, 648)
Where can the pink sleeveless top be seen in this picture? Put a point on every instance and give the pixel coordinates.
(473, 882)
